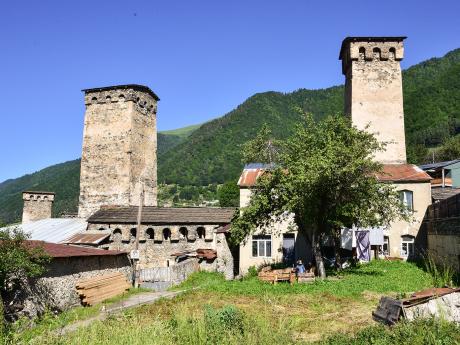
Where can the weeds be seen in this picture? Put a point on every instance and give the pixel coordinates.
(442, 274)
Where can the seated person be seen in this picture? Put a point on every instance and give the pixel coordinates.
(299, 268)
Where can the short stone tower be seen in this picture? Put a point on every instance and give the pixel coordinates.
(37, 205)
(119, 153)
(373, 90)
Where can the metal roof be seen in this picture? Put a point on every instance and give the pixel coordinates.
(88, 238)
(444, 193)
(438, 165)
(402, 173)
(164, 215)
(53, 230)
(58, 250)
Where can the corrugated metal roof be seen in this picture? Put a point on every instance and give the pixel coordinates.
(403, 173)
(438, 165)
(88, 238)
(164, 215)
(444, 193)
(58, 250)
(53, 230)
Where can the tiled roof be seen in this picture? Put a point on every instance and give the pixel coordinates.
(164, 215)
(53, 230)
(403, 173)
(57, 250)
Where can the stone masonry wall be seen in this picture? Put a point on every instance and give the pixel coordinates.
(119, 149)
(155, 250)
(56, 290)
(36, 206)
(373, 94)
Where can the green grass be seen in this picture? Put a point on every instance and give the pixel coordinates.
(182, 132)
(378, 276)
(215, 311)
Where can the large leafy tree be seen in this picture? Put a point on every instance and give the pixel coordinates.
(229, 195)
(326, 177)
(18, 259)
(264, 148)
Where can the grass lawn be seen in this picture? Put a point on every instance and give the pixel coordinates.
(214, 311)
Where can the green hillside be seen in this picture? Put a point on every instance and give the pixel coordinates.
(210, 153)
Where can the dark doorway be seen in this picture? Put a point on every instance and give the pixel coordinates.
(288, 249)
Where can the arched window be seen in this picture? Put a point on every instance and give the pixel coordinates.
(94, 100)
(101, 229)
(407, 199)
(166, 234)
(121, 98)
(376, 53)
(133, 233)
(108, 99)
(150, 234)
(183, 232)
(116, 236)
(392, 53)
(407, 246)
(362, 53)
(45, 198)
(201, 232)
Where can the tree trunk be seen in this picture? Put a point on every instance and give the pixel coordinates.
(316, 247)
(337, 246)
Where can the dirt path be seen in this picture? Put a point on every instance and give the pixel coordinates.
(130, 302)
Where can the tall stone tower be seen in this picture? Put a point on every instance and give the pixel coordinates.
(373, 91)
(119, 155)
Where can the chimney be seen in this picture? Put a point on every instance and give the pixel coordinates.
(37, 205)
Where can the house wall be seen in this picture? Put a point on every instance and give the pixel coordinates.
(56, 289)
(455, 174)
(421, 199)
(302, 249)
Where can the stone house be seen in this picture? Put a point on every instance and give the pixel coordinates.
(56, 288)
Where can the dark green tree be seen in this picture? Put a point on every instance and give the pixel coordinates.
(262, 149)
(18, 259)
(229, 195)
(326, 177)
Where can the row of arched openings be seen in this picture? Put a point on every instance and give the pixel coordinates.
(166, 233)
(377, 53)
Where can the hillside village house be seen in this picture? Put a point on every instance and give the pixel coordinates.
(373, 95)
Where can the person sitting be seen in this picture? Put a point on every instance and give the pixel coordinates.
(299, 268)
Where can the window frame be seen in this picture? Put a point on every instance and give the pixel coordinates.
(261, 243)
(404, 200)
(409, 241)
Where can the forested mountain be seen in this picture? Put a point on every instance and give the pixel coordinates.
(211, 152)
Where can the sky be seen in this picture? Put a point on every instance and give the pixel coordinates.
(202, 58)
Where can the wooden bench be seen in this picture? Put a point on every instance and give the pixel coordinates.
(274, 276)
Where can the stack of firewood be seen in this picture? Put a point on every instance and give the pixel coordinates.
(98, 289)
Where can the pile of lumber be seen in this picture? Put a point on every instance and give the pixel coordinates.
(98, 289)
(307, 277)
(274, 276)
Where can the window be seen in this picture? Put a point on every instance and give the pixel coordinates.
(262, 246)
(166, 234)
(386, 246)
(407, 246)
(150, 233)
(201, 232)
(133, 233)
(407, 199)
(183, 232)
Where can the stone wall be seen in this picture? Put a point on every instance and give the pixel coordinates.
(55, 290)
(119, 149)
(37, 205)
(373, 93)
(155, 250)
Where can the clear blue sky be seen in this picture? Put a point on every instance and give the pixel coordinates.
(202, 58)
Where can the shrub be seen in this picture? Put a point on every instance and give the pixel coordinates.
(441, 273)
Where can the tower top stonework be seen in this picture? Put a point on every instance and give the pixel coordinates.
(373, 91)
(119, 148)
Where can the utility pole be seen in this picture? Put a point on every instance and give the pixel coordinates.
(138, 234)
